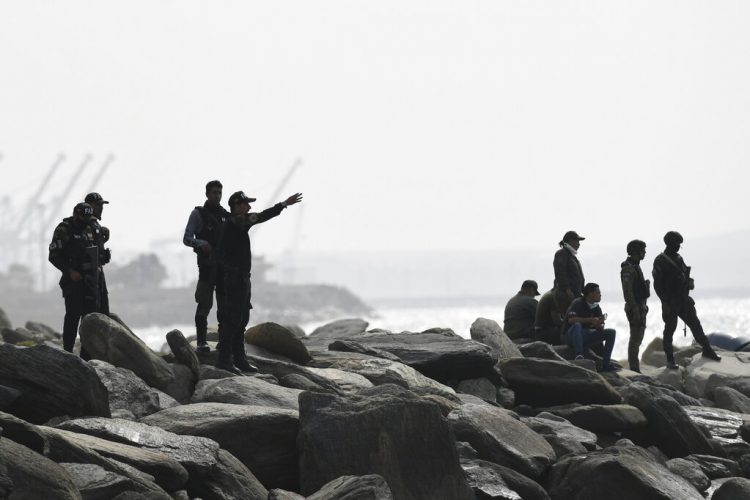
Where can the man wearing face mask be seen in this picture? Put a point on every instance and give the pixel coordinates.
(673, 283)
(568, 272)
(584, 326)
(636, 291)
(101, 234)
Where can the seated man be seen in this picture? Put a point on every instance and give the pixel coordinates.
(549, 320)
(585, 326)
(520, 312)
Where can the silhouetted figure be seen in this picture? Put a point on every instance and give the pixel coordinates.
(520, 312)
(568, 272)
(635, 290)
(548, 320)
(585, 326)
(673, 283)
(202, 234)
(236, 257)
(101, 234)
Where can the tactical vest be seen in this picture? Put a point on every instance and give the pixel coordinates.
(75, 248)
(235, 249)
(212, 221)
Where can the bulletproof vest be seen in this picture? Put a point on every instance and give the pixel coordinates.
(212, 220)
(235, 248)
(80, 239)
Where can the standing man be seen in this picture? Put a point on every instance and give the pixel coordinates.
(568, 272)
(673, 283)
(636, 291)
(101, 234)
(585, 326)
(202, 234)
(236, 258)
(74, 252)
(520, 312)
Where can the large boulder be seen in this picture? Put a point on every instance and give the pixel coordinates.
(690, 471)
(354, 346)
(731, 399)
(183, 352)
(380, 371)
(440, 355)
(669, 424)
(246, 391)
(737, 488)
(340, 329)
(263, 439)
(128, 392)
(658, 387)
(22, 336)
(722, 425)
(542, 382)
(489, 333)
(229, 480)
(617, 473)
(52, 383)
(487, 482)
(733, 366)
(33, 476)
(7, 396)
(499, 437)
(369, 487)
(715, 467)
(108, 340)
(278, 339)
(96, 483)
(479, 387)
(539, 350)
(46, 330)
(604, 419)
(516, 482)
(386, 430)
(564, 437)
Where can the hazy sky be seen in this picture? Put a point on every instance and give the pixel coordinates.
(421, 124)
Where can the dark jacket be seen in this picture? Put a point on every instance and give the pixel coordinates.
(204, 226)
(635, 289)
(568, 271)
(234, 247)
(672, 280)
(520, 312)
(67, 251)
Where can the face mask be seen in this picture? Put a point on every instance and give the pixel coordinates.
(594, 305)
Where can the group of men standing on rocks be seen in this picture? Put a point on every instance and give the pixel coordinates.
(569, 313)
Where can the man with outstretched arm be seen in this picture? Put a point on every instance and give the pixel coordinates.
(584, 326)
(236, 258)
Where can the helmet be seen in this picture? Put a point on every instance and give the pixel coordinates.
(673, 238)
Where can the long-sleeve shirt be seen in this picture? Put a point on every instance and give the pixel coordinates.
(634, 287)
(568, 271)
(235, 253)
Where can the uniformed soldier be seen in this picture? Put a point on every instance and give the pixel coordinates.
(236, 257)
(673, 283)
(74, 252)
(101, 233)
(202, 234)
(569, 279)
(520, 312)
(636, 291)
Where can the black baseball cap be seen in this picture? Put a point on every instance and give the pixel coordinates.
(84, 210)
(530, 284)
(572, 235)
(239, 197)
(95, 198)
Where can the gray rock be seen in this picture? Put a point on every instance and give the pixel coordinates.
(380, 371)
(386, 430)
(370, 487)
(96, 483)
(658, 387)
(183, 353)
(489, 333)
(715, 467)
(296, 330)
(246, 391)
(603, 419)
(343, 328)
(723, 427)
(128, 392)
(167, 472)
(229, 480)
(49, 332)
(479, 387)
(263, 439)
(278, 339)
(691, 472)
(32, 476)
(731, 399)
(197, 454)
(4, 320)
(624, 473)
(669, 424)
(7, 396)
(505, 397)
(564, 437)
(500, 438)
(527, 488)
(21, 336)
(182, 384)
(732, 372)
(52, 383)
(284, 495)
(486, 481)
(295, 381)
(353, 346)
(107, 339)
(539, 350)
(737, 488)
(210, 372)
(541, 382)
(738, 383)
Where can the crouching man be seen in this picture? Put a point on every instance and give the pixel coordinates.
(585, 326)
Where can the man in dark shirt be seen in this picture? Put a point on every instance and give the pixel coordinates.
(636, 291)
(236, 258)
(520, 312)
(568, 271)
(673, 283)
(585, 325)
(549, 319)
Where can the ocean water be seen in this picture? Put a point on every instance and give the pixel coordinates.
(731, 316)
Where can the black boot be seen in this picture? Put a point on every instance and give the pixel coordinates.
(669, 351)
(239, 358)
(201, 333)
(709, 353)
(224, 360)
(633, 361)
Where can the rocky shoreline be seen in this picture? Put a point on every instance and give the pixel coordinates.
(347, 413)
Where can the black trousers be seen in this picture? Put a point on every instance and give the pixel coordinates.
(237, 291)
(684, 310)
(210, 280)
(78, 303)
